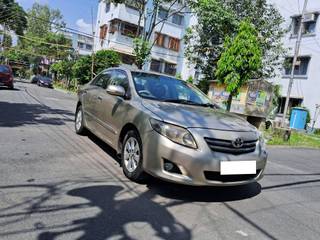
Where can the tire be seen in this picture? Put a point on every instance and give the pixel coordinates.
(132, 161)
(11, 87)
(79, 122)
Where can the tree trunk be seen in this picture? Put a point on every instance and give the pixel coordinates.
(229, 102)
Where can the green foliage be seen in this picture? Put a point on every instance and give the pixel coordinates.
(240, 61)
(203, 85)
(62, 68)
(82, 69)
(13, 16)
(142, 50)
(7, 40)
(219, 19)
(179, 76)
(190, 79)
(103, 59)
(41, 37)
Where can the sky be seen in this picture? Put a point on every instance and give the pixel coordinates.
(76, 13)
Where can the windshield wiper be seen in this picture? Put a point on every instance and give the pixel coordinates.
(182, 101)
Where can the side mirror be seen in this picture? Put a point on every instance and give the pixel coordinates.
(116, 90)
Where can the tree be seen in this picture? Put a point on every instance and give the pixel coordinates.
(43, 35)
(148, 21)
(103, 59)
(240, 61)
(12, 16)
(218, 19)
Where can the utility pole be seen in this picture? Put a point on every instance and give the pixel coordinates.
(92, 65)
(316, 114)
(294, 62)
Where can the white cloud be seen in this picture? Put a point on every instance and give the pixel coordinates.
(83, 26)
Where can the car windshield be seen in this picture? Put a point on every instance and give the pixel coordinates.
(4, 69)
(168, 89)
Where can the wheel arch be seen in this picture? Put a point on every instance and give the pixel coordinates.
(126, 128)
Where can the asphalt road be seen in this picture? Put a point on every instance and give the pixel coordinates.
(57, 185)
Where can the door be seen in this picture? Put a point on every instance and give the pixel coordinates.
(91, 100)
(113, 109)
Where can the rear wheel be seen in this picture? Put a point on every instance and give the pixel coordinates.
(79, 121)
(132, 157)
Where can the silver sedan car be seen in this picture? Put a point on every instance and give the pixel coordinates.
(167, 128)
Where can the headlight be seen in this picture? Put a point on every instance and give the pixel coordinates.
(174, 133)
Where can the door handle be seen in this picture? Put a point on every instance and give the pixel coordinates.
(99, 98)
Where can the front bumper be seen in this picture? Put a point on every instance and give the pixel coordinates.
(196, 165)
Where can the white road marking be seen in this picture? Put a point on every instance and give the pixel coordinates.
(242, 233)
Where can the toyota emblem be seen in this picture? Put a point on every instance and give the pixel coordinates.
(238, 143)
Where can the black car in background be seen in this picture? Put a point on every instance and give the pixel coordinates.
(6, 76)
(45, 82)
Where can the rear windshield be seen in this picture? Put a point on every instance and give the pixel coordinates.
(4, 69)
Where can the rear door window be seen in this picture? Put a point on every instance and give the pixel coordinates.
(4, 69)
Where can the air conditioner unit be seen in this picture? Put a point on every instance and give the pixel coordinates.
(310, 17)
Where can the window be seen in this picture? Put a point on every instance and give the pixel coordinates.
(308, 26)
(88, 47)
(80, 45)
(103, 31)
(102, 80)
(129, 30)
(163, 13)
(127, 59)
(170, 68)
(155, 65)
(159, 38)
(174, 44)
(301, 67)
(119, 78)
(107, 7)
(177, 19)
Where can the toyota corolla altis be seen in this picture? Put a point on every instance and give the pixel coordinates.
(169, 129)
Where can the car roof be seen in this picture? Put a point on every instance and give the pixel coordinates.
(141, 71)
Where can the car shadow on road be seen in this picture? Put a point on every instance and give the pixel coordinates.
(116, 214)
(33, 114)
(9, 90)
(204, 193)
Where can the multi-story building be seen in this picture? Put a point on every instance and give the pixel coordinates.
(82, 43)
(117, 25)
(306, 85)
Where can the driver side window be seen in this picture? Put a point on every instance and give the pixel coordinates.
(102, 80)
(119, 78)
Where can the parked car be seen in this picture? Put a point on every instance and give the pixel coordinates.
(45, 82)
(34, 79)
(6, 76)
(167, 128)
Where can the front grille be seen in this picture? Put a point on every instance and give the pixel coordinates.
(215, 176)
(226, 146)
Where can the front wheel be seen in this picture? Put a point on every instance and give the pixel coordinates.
(132, 157)
(79, 121)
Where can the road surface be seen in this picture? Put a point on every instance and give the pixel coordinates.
(57, 185)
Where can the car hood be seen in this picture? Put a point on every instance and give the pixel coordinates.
(197, 117)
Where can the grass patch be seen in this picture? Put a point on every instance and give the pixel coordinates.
(60, 85)
(297, 139)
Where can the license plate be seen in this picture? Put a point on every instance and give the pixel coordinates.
(238, 167)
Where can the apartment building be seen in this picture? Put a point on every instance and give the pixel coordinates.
(82, 43)
(117, 25)
(306, 86)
